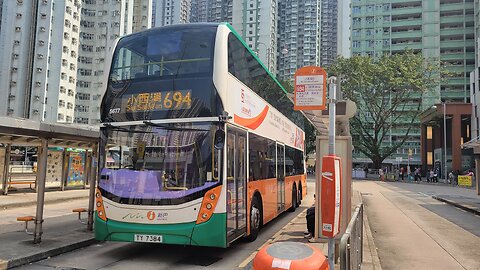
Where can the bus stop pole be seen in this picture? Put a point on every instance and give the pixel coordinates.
(41, 175)
(331, 151)
(6, 169)
(92, 182)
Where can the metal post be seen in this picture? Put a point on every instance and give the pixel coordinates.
(93, 178)
(445, 139)
(331, 150)
(6, 169)
(41, 175)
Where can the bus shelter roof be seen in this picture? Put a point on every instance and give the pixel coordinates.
(19, 131)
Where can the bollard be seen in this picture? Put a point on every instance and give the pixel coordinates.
(290, 256)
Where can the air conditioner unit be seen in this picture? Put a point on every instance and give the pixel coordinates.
(37, 97)
(13, 83)
(35, 111)
(39, 70)
(38, 83)
(11, 97)
(14, 69)
(18, 28)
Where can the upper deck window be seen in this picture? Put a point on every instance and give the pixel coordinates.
(164, 52)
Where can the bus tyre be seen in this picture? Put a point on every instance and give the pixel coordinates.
(255, 219)
(294, 200)
(300, 195)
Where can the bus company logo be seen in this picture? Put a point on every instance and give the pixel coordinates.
(246, 111)
(300, 88)
(131, 216)
(162, 216)
(151, 215)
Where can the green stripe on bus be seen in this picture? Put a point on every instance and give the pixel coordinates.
(211, 233)
(255, 56)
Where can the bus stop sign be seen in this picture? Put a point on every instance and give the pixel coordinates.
(331, 195)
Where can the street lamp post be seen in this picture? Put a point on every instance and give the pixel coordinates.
(445, 138)
(284, 51)
(267, 50)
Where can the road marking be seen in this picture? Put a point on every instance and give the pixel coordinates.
(424, 194)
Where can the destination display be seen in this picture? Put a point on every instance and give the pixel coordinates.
(157, 101)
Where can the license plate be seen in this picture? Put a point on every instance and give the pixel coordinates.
(147, 238)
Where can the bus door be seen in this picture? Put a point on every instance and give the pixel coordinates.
(236, 183)
(280, 177)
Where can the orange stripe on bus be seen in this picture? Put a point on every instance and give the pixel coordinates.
(251, 123)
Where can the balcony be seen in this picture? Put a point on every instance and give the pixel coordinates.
(408, 22)
(452, 19)
(452, 44)
(406, 10)
(452, 56)
(403, 46)
(406, 34)
(457, 81)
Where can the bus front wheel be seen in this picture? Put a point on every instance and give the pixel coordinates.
(255, 219)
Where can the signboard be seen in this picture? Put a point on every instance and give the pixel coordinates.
(156, 101)
(310, 88)
(465, 180)
(76, 169)
(331, 203)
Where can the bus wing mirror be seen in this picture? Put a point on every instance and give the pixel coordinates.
(219, 140)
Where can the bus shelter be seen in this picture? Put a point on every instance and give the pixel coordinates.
(16, 131)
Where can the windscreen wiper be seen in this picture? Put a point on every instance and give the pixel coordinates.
(148, 123)
(110, 126)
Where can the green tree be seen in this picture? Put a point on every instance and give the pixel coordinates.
(388, 92)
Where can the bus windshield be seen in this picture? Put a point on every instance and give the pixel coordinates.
(151, 164)
(158, 53)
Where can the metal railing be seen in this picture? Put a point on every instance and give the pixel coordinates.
(351, 244)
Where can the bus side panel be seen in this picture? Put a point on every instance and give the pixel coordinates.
(289, 181)
(268, 191)
(303, 181)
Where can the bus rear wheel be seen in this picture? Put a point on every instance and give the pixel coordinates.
(255, 219)
(294, 199)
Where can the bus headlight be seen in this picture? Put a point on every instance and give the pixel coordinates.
(209, 203)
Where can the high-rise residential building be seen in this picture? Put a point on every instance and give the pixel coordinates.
(167, 12)
(328, 32)
(255, 21)
(441, 30)
(102, 23)
(39, 44)
(198, 10)
(298, 35)
(343, 28)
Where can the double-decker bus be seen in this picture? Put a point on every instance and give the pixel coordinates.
(190, 151)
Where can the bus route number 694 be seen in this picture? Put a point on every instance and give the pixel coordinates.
(146, 238)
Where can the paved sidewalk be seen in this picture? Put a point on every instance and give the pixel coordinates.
(62, 232)
(21, 199)
(293, 232)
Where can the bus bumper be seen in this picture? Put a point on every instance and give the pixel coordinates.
(211, 233)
